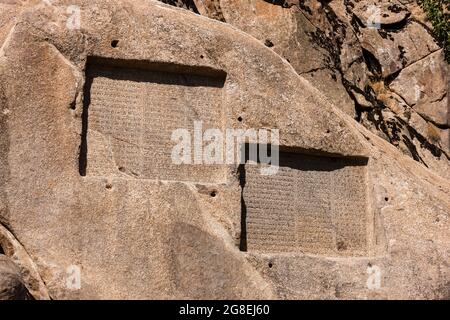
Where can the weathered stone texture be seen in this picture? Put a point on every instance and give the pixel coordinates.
(345, 49)
(11, 283)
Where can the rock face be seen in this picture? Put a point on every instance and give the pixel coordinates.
(424, 87)
(11, 283)
(376, 12)
(92, 204)
(351, 51)
(20, 270)
(295, 36)
(8, 11)
(395, 50)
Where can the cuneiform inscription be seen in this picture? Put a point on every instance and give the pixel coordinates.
(132, 114)
(313, 204)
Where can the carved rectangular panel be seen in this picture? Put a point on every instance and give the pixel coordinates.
(313, 204)
(131, 114)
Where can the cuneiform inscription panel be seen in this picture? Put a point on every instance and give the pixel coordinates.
(313, 204)
(132, 113)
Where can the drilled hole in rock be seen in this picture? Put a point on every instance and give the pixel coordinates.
(213, 194)
(386, 199)
(341, 246)
(268, 43)
(115, 43)
(239, 119)
(270, 265)
(202, 56)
